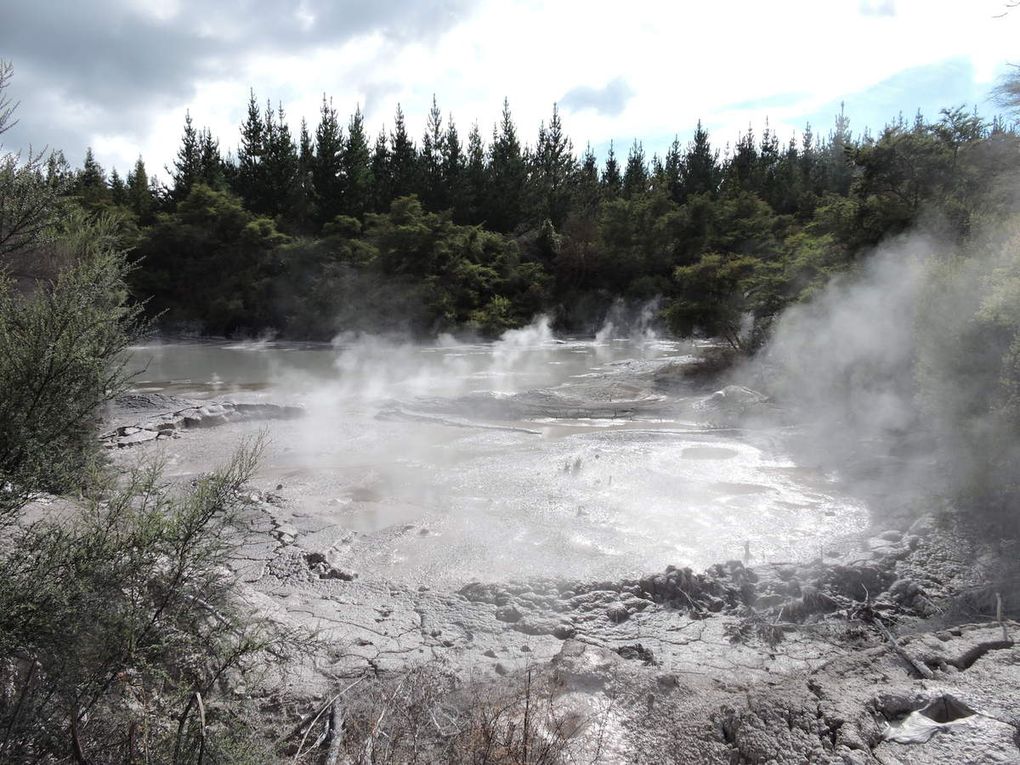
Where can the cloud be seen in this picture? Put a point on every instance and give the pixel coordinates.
(776, 100)
(119, 74)
(927, 89)
(111, 66)
(878, 7)
(609, 100)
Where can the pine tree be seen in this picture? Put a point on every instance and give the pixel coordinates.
(118, 191)
(249, 181)
(382, 183)
(508, 174)
(635, 176)
(672, 172)
(612, 181)
(304, 211)
(58, 171)
(454, 177)
(90, 183)
(187, 167)
(553, 173)
(767, 167)
(743, 165)
(589, 191)
(435, 192)
(404, 176)
(140, 198)
(808, 160)
(837, 163)
(281, 189)
(212, 170)
(700, 173)
(327, 167)
(356, 168)
(477, 178)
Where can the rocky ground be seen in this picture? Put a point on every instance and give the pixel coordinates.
(896, 649)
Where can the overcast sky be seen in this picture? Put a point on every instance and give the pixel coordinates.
(119, 74)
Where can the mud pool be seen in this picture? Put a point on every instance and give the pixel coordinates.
(527, 457)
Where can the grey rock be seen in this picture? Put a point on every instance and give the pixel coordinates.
(617, 613)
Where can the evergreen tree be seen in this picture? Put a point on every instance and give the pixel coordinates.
(58, 171)
(700, 172)
(477, 178)
(588, 188)
(304, 211)
(211, 165)
(382, 182)
(118, 191)
(249, 176)
(281, 169)
(672, 172)
(90, 184)
(327, 166)
(612, 180)
(435, 192)
(356, 168)
(140, 199)
(742, 168)
(767, 167)
(837, 163)
(454, 176)
(404, 177)
(808, 161)
(553, 173)
(635, 175)
(508, 174)
(187, 167)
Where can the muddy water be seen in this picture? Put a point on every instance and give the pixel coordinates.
(527, 457)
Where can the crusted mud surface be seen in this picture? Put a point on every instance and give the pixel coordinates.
(888, 648)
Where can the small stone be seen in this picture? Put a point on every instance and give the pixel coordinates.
(667, 681)
(508, 614)
(564, 631)
(617, 613)
(501, 669)
(490, 653)
(137, 437)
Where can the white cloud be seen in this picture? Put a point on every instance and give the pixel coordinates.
(680, 62)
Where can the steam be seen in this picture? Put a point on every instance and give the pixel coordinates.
(845, 361)
(892, 375)
(378, 368)
(636, 324)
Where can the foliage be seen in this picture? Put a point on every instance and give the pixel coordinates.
(117, 619)
(59, 342)
(117, 622)
(585, 235)
(427, 715)
(714, 297)
(968, 346)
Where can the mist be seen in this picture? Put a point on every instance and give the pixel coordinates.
(895, 376)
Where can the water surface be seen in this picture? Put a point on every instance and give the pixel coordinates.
(530, 456)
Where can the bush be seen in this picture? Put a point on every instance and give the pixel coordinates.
(60, 342)
(118, 624)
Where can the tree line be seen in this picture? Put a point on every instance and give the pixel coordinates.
(311, 233)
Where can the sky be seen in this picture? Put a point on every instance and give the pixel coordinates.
(118, 75)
